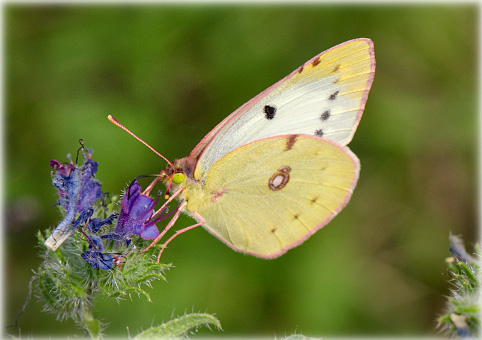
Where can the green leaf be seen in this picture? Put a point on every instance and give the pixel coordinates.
(179, 327)
(469, 274)
(299, 337)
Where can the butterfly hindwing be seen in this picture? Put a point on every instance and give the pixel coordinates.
(268, 196)
(325, 97)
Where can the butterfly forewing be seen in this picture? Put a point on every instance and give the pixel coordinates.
(325, 97)
(270, 195)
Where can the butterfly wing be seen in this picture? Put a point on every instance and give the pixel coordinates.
(324, 97)
(272, 194)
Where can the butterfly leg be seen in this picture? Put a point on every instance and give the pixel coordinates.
(171, 222)
(169, 225)
(149, 188)
(179, 232)
(161, 209)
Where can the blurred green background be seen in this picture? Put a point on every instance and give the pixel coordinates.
(170, 74)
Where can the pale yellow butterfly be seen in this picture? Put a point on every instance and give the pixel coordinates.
(277, 169)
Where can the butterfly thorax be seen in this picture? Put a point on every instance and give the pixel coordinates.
(185, 165)
(192, 186)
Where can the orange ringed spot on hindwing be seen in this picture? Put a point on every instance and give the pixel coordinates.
(280, 178)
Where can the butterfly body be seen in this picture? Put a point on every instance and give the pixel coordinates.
(277, 169)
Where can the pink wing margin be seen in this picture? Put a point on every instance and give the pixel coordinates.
(225, 123)
(356, 162)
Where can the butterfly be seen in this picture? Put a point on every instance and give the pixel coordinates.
(277, 169)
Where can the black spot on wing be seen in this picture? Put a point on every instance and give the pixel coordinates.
(269, 111)
(333, 95)
(325, 115)
(319, 133)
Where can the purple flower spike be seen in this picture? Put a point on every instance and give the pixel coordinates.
(136, 213)
(78, 190)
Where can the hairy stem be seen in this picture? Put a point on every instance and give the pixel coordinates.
(88, 323)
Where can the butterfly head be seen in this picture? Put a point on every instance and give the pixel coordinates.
(176, 173)
(179, 170)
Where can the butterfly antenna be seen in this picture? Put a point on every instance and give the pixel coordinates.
(113, 120)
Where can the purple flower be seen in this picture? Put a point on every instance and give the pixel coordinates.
(136, 214)
(64, 169)
(95, 257)
(94, 224)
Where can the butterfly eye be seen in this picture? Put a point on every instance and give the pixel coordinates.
(178, 177)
